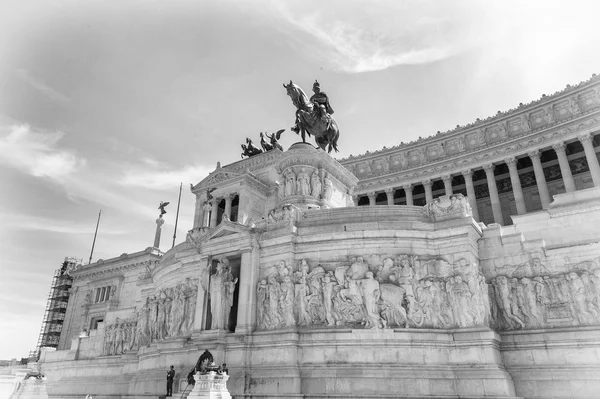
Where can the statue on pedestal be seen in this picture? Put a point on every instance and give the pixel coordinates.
(313, 116)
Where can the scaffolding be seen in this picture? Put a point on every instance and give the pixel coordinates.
(56, 306)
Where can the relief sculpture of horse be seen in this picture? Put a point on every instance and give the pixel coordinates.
(312, 120)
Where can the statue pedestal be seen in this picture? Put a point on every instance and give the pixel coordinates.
(210, 386)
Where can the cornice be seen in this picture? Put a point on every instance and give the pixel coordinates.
(494, 152)
(501, 119)
(117, 269)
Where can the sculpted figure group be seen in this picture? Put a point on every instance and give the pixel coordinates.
(220, 286)
(400, 292)
(540, 299)
(169, 313)
(303, 182)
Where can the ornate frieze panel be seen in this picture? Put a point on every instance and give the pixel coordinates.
(448, 207)
(416, 157)
(400, 291)
(530, 296)
(455, 146)
(168, 313)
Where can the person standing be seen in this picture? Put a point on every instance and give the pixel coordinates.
(170, 377)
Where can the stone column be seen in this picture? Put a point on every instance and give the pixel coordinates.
(565, 169)
(428, 193)
(447, 179)
(390, 195)
(468, 175)
(540, 178)
(228, 199)
(206, 219)
(516, 185)
(159, 222)
(590, 156)
(355, 199)
(408, 191)
(494, 198)
(213, 212)
(372, 197)
(246, 314)
(199, 216)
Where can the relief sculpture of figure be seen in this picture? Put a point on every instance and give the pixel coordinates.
(262, 304)
(327, 299)
(371, 294)
(273, 294)
(286, 304)
(290, 182)
(577, 289)
(302, 183)
(315, 183)
(177, 311)
(502, 290)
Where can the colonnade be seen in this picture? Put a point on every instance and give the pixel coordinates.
(559, 148)
(207, 212)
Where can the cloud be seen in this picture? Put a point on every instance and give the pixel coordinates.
(39, 223)
(158, 176)
(48, 91)
(361, 38)
(36, 153)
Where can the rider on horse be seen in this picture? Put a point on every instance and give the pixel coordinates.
(320, 101)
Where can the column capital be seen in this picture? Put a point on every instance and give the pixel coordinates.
(355, 198)
(447, 178)
(585, 138)
(390, 190)
(467, 173)
(371, 194)
(407, 187)
(534, 154)
(489, 167)
(231, 196)
(559, 147)
(426, 183)
(511, 162)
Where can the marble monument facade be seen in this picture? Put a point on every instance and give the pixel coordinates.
(462, 265)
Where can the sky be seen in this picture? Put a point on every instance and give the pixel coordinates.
(110, 105)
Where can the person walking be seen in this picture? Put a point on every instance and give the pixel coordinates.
(170, 377)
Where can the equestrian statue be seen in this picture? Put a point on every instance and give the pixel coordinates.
(313, 116)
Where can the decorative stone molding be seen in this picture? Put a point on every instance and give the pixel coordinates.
(467, 173)
(448, 207)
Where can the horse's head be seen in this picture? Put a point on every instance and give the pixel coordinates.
(291, 90)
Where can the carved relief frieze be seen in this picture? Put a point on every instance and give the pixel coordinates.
(168, 313)
(531, 296)
(448, 207)
(381, 292)
(117, 270)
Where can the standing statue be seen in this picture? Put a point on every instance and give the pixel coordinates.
(290, 182)
(313, 116)
(302, 183)
(315, 183)
(162, 207)
(221, 289)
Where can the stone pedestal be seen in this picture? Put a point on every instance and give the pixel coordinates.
(30, 388)
(210, 386)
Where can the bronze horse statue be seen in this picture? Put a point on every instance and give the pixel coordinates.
(310, 119)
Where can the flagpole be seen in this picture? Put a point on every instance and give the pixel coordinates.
(95, 234)
(177, 216)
